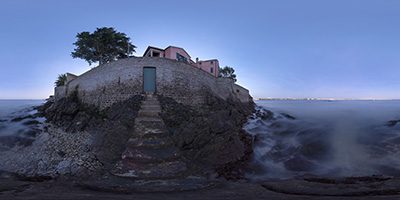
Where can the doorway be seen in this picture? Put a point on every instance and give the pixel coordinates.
(149, 79)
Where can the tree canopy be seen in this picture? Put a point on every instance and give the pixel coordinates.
(227, 72)
(103, 45)
(61, 80)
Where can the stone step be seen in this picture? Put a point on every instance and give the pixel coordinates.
(139, 170)
(151, 107)
(154, 102)
(150, 141)
(149, 127)
(148, 119)
(139, 154)
(148, 113)
(150, 97)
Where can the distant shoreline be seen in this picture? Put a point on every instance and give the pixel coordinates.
(324, 99)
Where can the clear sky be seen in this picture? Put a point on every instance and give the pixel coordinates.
(279, 48)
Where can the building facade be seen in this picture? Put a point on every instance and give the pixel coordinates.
(119, 80)
(177, 53)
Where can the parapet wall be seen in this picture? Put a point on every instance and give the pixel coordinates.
(117, 81)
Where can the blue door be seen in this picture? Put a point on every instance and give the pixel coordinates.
(149, 79)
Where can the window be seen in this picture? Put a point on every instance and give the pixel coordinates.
(181, 58)
(212, 70)
(156, 54)
(212, 62)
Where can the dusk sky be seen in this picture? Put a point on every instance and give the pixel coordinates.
(279, 48)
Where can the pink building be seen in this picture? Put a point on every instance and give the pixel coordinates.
(177, 53)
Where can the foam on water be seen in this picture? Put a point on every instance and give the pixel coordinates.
(330, 138)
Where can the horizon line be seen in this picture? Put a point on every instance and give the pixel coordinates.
(327, 99)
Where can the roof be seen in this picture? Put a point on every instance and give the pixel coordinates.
(178, 48)
(151, 47)
(208, 60)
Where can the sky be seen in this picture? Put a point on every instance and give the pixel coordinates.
(278, 48)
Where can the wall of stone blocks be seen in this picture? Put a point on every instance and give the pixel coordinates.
(119, 80)
(242, 93)
(60, 92)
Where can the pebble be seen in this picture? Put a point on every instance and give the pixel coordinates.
(44, 155)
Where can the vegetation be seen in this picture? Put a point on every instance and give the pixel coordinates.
(103, 45)
(227, 72)
(62, 78)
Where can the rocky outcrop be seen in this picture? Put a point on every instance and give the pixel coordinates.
(110, 128)
(211, 134)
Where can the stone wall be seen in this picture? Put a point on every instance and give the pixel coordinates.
(60, 92)
(117, 81)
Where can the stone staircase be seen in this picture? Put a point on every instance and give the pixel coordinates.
(150, 152)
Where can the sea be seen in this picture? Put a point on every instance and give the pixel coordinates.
(18, 121)
(333, 138)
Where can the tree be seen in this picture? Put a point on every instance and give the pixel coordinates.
(62, 78)
(227, 72)
(103, 45)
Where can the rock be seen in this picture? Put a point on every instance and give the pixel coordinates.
(31, 122)
(31, 133)
(211, 135)
(392, 122)
(17, 119)
(288, 116)
(92, 141)
(347, 186)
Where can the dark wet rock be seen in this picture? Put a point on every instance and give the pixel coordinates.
(29, 117)
(288, 116)
(31, 122)
(211, 135)
(128, 185)
(10, 185)
(33, 178)
(3, 120)
(17, 119)
(32, 133)
(262, 114)
(70, 114)
(208, 135)
(111, 128)
(392, 122)
(347, 186)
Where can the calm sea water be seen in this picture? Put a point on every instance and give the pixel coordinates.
(11, 109)
(330, 138)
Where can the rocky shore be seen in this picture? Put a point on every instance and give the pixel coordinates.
(80, 141)
(74, 151)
